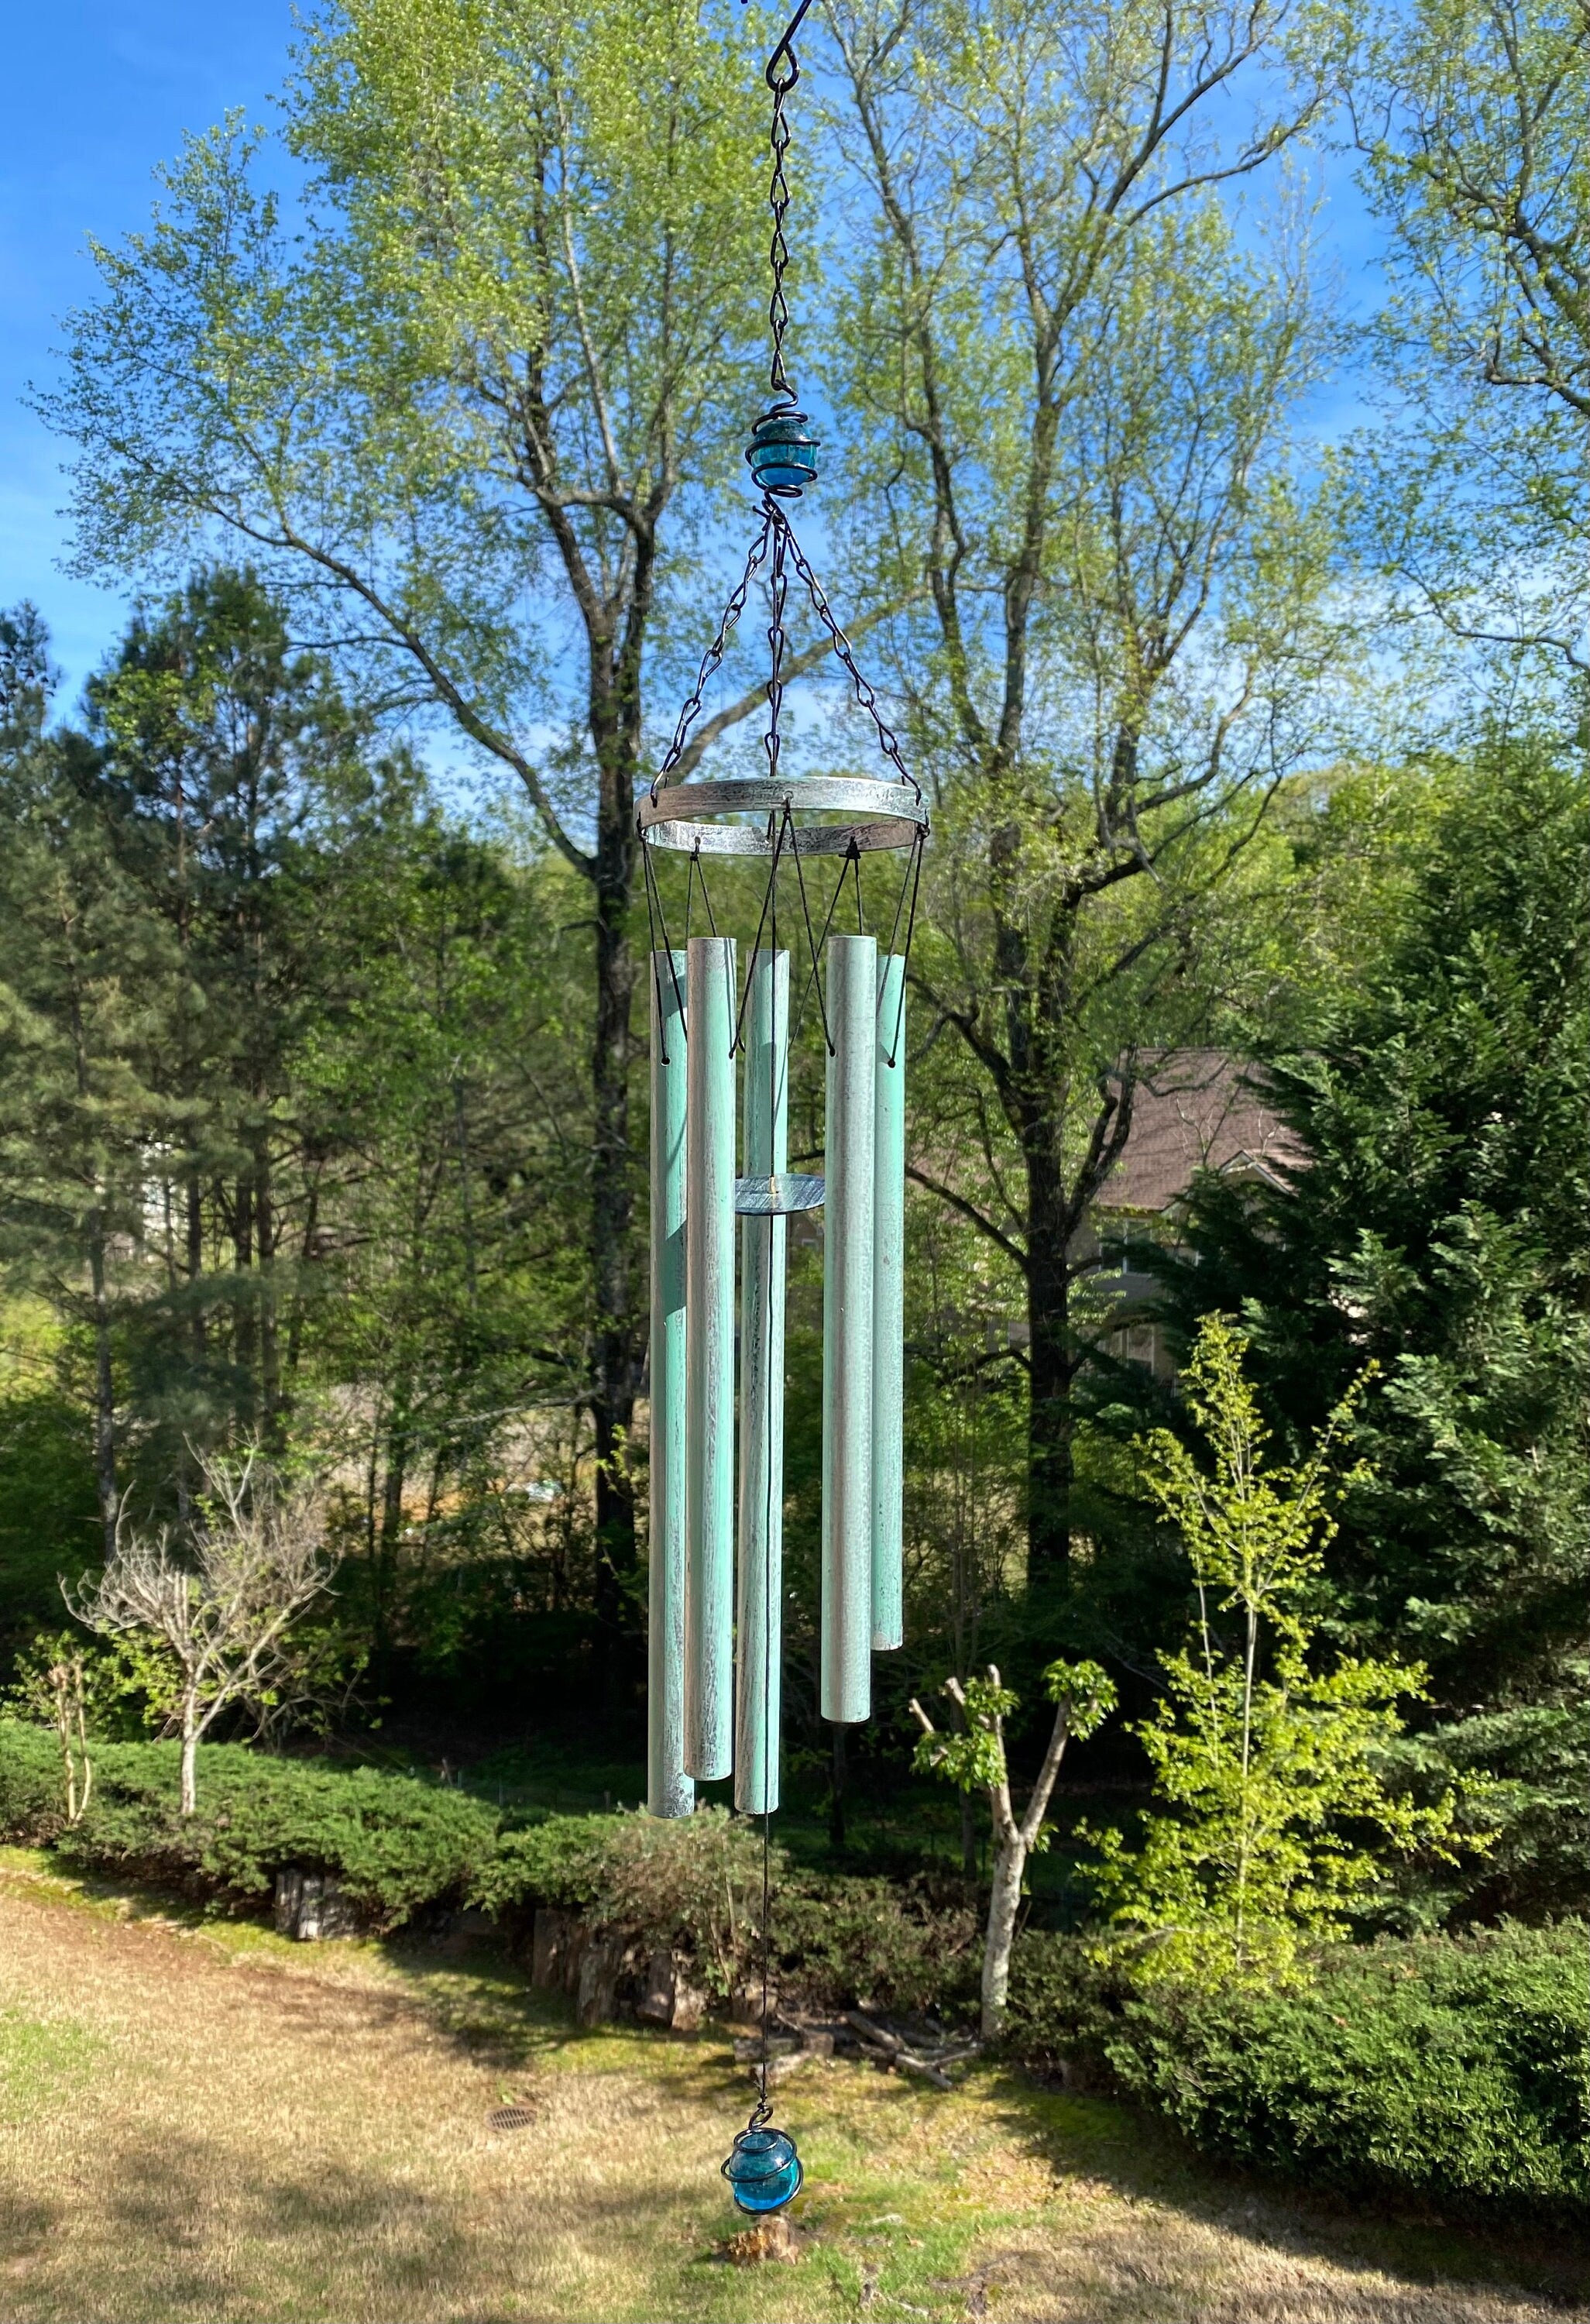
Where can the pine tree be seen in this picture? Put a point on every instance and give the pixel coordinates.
(1442, 1227)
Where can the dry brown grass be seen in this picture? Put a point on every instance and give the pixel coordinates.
(225, 2127)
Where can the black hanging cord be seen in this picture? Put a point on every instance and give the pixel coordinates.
(914, 880)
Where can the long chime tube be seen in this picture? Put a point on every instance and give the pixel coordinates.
(758, 1643)
(669, 1791)
(709, 1359)
(888, 1308)
(845, 1678)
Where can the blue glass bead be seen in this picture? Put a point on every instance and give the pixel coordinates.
(764, 2171)
(782, 454)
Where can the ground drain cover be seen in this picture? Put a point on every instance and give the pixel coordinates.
(510, 2117)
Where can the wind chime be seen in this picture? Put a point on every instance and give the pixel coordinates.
(717, 1552)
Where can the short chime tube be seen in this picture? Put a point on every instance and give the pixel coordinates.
(709, 1359)
(846, 1689)
(888, 1308)
(758, 1643)
(669, 1791)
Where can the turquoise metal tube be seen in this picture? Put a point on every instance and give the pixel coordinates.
(846, 1675)
(888, 1308)
(669, 1791)
(759, 1586)
(709, 1359)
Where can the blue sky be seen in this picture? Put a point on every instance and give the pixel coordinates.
(94, 94)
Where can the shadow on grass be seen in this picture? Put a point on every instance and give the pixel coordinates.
(176, 2238)
(1108, 2141)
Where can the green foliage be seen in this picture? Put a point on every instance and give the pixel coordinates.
(840, 1941)
(1472, 118)
(556, 1861)
(698, 1884)
(49, 1521)
(973, 1760)
(130, 1685)
(1449, 2068)
(1444, 2069)
(1067, 1999)
(1271, 1770)
(973, 1757)
(396, 1844)
(1441, 1229)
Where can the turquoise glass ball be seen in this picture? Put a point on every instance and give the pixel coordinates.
(782, 453)
(763, 2171)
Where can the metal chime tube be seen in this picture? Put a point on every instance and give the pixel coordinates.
(888, 1308)
(846, 1690)
(669, 1791)
(709, 1359)
(758, 1643)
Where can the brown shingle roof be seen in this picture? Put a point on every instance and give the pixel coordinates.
(1193, 1112)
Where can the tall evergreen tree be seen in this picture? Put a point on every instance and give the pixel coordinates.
(1441, 1229)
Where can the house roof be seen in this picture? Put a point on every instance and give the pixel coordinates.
(1193, 1112)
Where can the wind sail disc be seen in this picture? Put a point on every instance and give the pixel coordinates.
(779, 1195)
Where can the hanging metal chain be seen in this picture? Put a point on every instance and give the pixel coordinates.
(782, 73)
(777, 638)
(713, 657)
(866, 698)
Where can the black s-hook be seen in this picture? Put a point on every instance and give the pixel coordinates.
(775, 77)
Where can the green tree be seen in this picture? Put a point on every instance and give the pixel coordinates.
(1271, 1769)
(217, 746)
(472, 408)
(1073, 382)
(974, 1760)
(1473, 116)
(80, 955)
(1440, 1228)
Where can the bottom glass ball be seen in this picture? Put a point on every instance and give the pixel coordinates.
(763, 2171)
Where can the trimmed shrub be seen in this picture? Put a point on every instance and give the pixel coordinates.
(698, 1884)
(396, 1844)
(877, 1943)
(553, 1862)
(1447, 2069)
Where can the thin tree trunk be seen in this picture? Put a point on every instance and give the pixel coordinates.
(838, 1771)
(105, 1402)
(1010, 1864)
(105, 1408)
(389, 1545)
(615, 1382)
(1051, 1428)
(270, 1348)
(243, 1304)
(189, 1779)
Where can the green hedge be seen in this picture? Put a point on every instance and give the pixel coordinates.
(698, 1883)
(1449, 2068)
(396, 1844)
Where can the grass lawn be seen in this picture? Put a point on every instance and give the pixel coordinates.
(209, 2123)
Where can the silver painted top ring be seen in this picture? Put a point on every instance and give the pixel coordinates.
(681, 816)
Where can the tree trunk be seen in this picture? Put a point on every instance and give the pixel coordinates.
(190, 1791)
(270, 1347)
(615, 1370)
(1051, 1427)
(389, 1546)
(243, 1298)
(105, 1404)
(1010, 1860)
